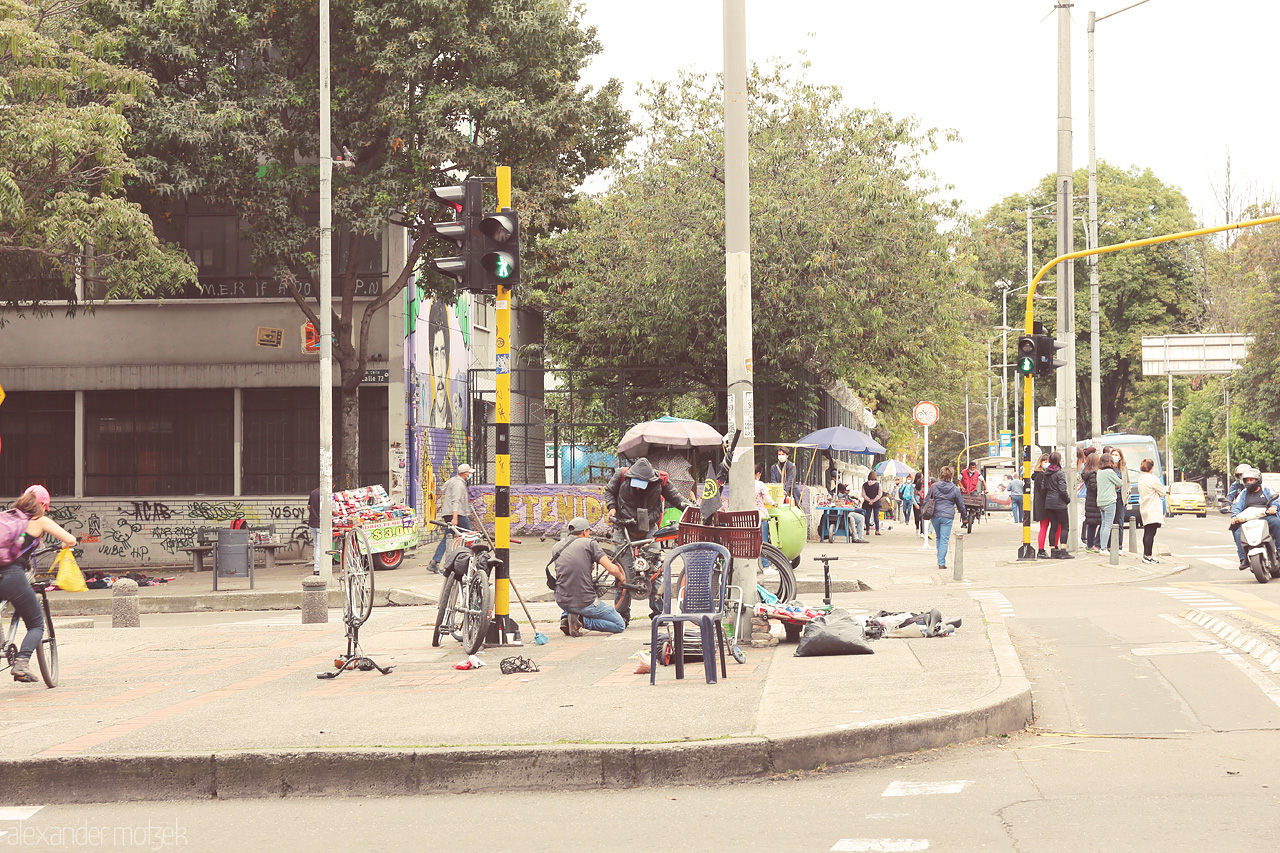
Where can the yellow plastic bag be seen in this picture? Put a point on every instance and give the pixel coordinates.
(70, 577)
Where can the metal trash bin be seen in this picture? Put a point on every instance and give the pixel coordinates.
(233, 556)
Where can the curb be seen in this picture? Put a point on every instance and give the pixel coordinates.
(245, 774)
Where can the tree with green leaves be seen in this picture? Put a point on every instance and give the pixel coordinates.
(851, 275)
(1146, 291)
(425, 92)
(64, 166)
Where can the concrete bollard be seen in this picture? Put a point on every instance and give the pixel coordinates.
(315, 601)
(1114, 545)
(1133, 534)
(957, 572)
(124, 604)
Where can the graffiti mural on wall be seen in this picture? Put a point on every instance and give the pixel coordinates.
(116, 533)
(437, 358)
(544, 510)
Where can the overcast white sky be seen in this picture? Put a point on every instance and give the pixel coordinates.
(1179, 83)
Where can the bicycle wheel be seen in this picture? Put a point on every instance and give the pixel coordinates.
(47, 650)
(785, 586)
(479, 604)
(444, 613)
(357, 578)
(608, 590)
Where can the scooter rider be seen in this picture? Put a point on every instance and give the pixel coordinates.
(1254, 494)
(634, 497)
(1237, 485)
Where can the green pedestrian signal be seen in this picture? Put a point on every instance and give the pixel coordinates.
(499, 251)
(1026, 355)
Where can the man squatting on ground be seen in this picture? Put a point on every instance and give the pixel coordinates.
(574, 558)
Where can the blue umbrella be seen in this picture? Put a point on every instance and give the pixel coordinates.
(893, 469)
(843, 438)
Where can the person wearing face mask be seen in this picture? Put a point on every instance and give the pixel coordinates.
(1125, 491)
(1254, 494)
(634, 497)
(784, 472)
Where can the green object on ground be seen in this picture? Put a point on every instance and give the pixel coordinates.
(788, 529)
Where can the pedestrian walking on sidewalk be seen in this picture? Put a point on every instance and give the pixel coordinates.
(1056, 501)
(455, 508)
(946, 504)
(908, 492)
(1108, 490)
(1150, 508)
(917, 499)
(871, 495)
(763, 502)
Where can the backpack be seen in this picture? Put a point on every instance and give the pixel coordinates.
(13, 523)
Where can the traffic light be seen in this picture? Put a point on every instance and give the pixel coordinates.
(1046, 346)
(499, 251)
(465, 201)
(1026, 355)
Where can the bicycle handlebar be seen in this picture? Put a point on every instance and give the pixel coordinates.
(461, 530)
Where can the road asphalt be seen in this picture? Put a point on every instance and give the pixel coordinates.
(216, 695)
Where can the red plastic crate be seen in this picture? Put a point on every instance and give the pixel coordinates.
(739, 532)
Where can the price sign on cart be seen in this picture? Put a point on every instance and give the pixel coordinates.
(925, 413)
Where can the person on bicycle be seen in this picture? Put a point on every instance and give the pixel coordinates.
(575, 558)
(14, 586)
(634, 497)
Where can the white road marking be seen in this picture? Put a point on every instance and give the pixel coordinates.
(18, 812)
(1195, 598)
(1177, 649)
(1266, 654)
(1222, 562)
(991, 596)
(1211, 547)
(911, 789)
(881, 845)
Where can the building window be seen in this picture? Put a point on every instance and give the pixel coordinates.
(140, 443)
(281, 452)
(38, 430)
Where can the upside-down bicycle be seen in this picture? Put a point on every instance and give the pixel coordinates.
(355, 579)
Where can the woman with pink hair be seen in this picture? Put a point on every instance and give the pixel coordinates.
(14, 588)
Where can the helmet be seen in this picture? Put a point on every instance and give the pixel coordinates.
(1242, 467)
(1251, 474)
(40, 493)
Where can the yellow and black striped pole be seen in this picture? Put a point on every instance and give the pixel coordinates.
(503, 630)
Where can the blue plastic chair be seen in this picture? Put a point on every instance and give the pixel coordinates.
(705, 567)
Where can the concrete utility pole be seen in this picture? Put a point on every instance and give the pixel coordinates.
(737, 289)
(1095, 347)
(1066, 390)
(323, 563)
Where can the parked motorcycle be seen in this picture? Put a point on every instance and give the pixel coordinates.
(1259, 547)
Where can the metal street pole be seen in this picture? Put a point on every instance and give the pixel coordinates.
(1004, 358)
(324, 565)
(1066, 385)
(1095, 345)
(737, 243)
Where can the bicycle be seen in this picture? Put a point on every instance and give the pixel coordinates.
(355, 579)
(466, 599)
(645, 573)
(47, 650)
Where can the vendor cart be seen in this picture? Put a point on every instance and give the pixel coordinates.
(392, 528)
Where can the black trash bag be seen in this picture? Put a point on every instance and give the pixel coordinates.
(837, 633)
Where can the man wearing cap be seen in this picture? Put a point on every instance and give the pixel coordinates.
(455, 509)
(1254, 494)
(575, 558)
(634, 497)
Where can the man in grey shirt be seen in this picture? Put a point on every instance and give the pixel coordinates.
(455, 508)
(575, 558)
